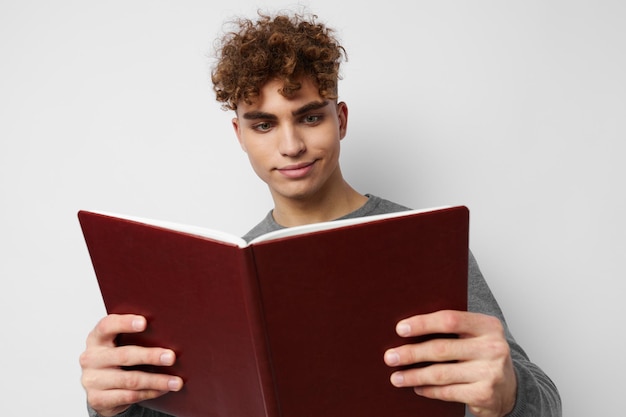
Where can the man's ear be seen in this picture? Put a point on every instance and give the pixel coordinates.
(342, 114)
(237, 128)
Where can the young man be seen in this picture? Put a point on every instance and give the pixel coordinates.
(279, 75)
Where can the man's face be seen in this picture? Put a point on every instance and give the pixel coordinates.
(293, 143)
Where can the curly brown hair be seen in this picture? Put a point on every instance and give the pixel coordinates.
(285, 47)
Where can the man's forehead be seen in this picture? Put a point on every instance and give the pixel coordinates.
(271, 98)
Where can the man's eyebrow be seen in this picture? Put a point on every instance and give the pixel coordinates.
(314, 105)
(256, 115)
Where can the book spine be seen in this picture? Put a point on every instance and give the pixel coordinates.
(258, 334)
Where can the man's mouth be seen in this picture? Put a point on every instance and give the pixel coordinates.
(298, 170)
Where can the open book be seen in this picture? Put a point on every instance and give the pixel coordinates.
(291, 324)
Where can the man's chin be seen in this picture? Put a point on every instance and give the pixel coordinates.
(295, 194)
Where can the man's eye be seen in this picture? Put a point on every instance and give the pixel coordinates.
(311, 118)
(264, 126)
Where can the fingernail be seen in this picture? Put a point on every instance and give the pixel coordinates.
(397, 379)
(138, 323)
(392, 358)
(403, 329)
(175, 384)
(167, 358)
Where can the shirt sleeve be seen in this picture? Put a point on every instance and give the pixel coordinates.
(133, 411)
(537, 395)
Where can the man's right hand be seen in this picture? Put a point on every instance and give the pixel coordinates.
(111, 389)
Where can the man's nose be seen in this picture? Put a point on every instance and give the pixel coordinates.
(291, 142)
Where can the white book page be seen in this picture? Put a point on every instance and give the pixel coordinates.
(334, 224)
(180, 227)
(277, 234)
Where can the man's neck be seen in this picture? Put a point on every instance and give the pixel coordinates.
(324, 207)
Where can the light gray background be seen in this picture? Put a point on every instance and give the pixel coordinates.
(513, 108)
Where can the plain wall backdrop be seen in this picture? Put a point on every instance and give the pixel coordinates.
(516, 109)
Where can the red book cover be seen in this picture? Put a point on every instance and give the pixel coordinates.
(293, 324)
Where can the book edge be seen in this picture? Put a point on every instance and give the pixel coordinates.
(336, 224)
(200, 231)
(230, 238)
